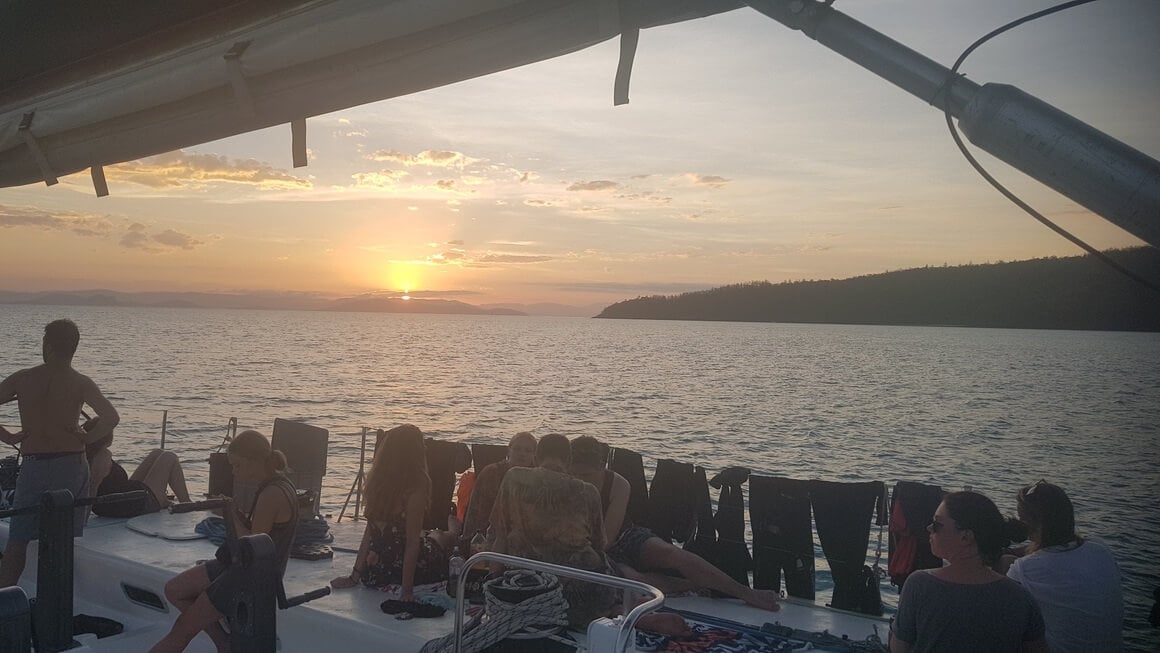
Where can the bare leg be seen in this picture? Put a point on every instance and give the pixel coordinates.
(199, 616)
(663, 582)
(662, 555)
(183, 589)
(99, 466)
(12, 566)
(161, 470)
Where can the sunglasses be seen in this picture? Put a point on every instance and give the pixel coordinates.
(1030, 489)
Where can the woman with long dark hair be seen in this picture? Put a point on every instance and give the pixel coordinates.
(202, 593)
(1075, 579)
(966, 605)
(394, 549)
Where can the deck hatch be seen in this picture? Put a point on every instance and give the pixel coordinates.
(144, 597)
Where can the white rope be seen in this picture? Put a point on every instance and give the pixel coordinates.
(546, 609)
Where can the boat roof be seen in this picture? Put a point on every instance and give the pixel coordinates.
(84, 85)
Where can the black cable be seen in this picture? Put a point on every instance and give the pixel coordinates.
(1000, 187)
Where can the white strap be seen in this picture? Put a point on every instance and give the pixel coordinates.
(25, 130)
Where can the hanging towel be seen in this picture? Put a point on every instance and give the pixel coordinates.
(912, 508)
(783, 540)
(704, 542)
(629, 464)
(483, 455)
(842, 514)
(444, 461)
(731, 553)
(672, 501)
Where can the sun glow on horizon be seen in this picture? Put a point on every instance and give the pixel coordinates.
(402, 276)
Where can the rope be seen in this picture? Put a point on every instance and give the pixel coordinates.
(544, 605)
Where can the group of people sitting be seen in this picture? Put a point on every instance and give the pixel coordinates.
(1060, 592)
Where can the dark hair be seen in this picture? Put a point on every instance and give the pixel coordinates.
(399, 468)
(555, 446)
(1048, 512)
(974, 512)
(63, 336)
(587, 450)
(252, 445)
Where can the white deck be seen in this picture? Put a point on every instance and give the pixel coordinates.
(110, 553)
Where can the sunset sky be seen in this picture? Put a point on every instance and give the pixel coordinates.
(747, 152)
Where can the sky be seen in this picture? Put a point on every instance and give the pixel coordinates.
(748, 152)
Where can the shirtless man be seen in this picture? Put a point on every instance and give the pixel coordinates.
(52, 444)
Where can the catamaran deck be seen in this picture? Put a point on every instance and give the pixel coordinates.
(111, 556)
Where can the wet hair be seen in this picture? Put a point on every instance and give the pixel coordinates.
(252, 445)
(63, 336)
(587, 450)
(399, 468)
(554, 446)
(974, 512)
(1048, 513)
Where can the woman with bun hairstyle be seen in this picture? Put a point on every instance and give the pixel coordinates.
(201, 592)
(1075, 579)
(394, 549)
(966, 605)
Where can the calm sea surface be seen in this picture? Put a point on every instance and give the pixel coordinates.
(987, 408)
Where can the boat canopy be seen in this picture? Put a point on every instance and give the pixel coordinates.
(84, 85)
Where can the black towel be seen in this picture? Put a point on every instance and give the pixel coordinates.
(672, 501)
(444, 461)
(842, 514)
(629, 464)
(731, 553)
(783, 539)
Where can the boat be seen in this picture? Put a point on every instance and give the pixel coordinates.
(117, 571)
(169, 80)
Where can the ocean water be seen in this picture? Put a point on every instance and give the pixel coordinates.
(989, 409)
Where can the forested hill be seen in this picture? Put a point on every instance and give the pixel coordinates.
(1053, 293)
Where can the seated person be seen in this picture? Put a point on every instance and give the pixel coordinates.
(1075, 580)
(966, 605)
(394, 548)
(638, 553)
(521, 453)
(544, 514)
(202, 592)
(157, 474)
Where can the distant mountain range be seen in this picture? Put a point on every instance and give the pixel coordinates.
(370, 303)
(1077, 292)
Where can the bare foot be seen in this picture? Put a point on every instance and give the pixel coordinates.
(664, 623)
(764, 599)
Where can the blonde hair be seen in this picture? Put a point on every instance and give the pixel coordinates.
(252, 445)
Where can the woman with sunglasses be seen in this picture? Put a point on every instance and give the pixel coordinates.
(1075, 580)
(966, 605)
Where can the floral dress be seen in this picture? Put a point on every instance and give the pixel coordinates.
(388, 544)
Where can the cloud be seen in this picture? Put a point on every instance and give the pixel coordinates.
(539, 203)
(182, 169)
(712, 181)
(380, 179)
(431, 158)
(512, 258)
(137, 237)
(78, 223)
(599, 184)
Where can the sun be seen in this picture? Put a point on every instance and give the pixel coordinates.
(402, 276)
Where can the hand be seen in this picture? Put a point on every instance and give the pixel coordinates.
(343, 582)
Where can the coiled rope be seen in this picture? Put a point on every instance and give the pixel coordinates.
(539, 601)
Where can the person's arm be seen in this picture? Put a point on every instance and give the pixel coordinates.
(11, 438)
(1037, 646)
(272, 503)
(499, 528)
(481, 502)
(106, 416)
(617, 507)
(416, 507)
(360, 564)
(8, 388)
(595, 518)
